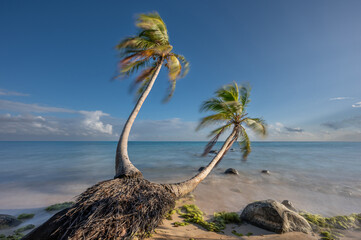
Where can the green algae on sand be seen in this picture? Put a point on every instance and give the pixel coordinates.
(59, 206)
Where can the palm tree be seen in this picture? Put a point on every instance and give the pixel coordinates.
(150, 50)
(229, 107)
(121, 208)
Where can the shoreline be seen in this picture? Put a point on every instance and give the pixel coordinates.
(167, 230)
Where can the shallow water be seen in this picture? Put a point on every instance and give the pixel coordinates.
(320, 177)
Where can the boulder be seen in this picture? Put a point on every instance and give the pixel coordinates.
(201, 169)
(8, 221)
(265, 172)
(231, 171)
(288, 204)
(275, 217)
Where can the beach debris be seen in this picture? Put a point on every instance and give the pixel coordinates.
(59, 206)
(266, 172)
(25, 216)
(8, 221)
(288, 204)
(201, 169)
(231, 171)
(275, 217)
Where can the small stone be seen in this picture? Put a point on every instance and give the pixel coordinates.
(265, 172)
(213, 151)
(8, 221)
(201, 169)
(231, 171)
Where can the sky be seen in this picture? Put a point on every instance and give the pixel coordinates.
(302, 59)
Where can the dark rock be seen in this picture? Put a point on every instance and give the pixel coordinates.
(201, 169)
(213, 151)
(265, 172)
(288, 204)
(275, 217)
(231, 171)
(8, 221)
(232, 149)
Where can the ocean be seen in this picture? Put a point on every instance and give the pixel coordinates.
(318, 177)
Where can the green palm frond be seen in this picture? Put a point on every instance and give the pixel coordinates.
(229, 106)
(213, 141)
(245, 143)
(245, 91)
(170, 91)
(229, 93)
(135, 43)
(216, 105)
(153, 27)
(212, 119)
(133, 67)
(258, 125)
(220, 129)
(149, 48)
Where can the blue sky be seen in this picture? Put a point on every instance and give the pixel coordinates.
(302, 59)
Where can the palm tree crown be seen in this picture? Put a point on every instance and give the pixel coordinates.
(149, 49)
(229, 106)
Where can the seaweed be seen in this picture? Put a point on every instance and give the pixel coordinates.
(24, 216)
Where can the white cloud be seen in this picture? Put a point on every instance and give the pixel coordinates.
(92, 121)
(340, 98)
(26, 107)
(356, 105)
(4, 92)
(81, 125)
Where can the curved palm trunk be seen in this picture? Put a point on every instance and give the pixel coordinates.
(123, 166)
(182, 188)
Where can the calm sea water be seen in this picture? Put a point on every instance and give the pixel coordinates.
(323, 177)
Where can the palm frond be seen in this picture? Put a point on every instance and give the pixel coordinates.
(135, 43)
(216, 105)
(245, 91)
(170, 91)
(174, 67)
(245, 143)
(258, 125)
(153, 27)
(217, 130)
(228, 93)
(185, 65)
(212, 119)
(132, 67)
(211, 143)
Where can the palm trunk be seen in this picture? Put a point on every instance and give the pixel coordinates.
(182, 188)
(123, 166)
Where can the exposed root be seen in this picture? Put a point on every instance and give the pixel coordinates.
(114, 209)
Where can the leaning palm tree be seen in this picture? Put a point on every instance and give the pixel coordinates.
(150, 50)
(229, 107)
